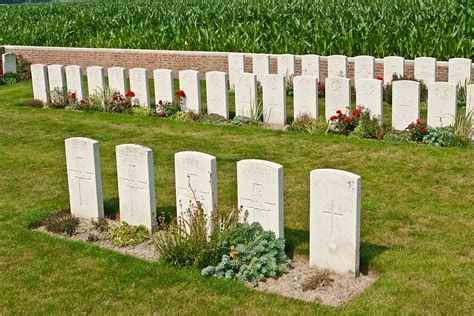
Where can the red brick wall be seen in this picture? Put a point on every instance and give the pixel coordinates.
(175, 60)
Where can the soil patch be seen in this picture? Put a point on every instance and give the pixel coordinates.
(315, 285)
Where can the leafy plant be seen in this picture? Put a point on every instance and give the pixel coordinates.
(305, 123)
(128, 235)
(212, 118)
(240, 120)
(345, 123)
(368, 126)
(417, 130)
(397, 136)
(167, 109)
(120, 103)
(141, 111)
(62, 222)
(59, 98)
(462, 130)
(11, 78)
(320, 277)
(101, 98)
(440, 136)
(289, 85)
(461, 93)
(101, 225)
(186, 116)
(253, 254)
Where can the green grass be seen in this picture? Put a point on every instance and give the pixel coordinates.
(417, 217)
(407, 28)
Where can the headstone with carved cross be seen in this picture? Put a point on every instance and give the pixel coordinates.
(136, 185)
(236, 63)
(335, 198)
(39, 79)
(337, 66)
(459, 71)
(338, 95)
(305, 96)
(310, 66)
(246, 95)
(139, 85)
(95, 80)
(393, 65)
(274, 99)
(260, 194)
(190, 84)
(260, 65)
(405, 103)
(369, 94)
(364, 68)
(164, 85)
(217, 93)
(196, 181)
(57, 78)
(441, 104)
(75, 82)
(286, 65)
(84, 179)
(425, 69)
(117, 80)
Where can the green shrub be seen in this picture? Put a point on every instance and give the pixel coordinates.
(128, 235)
(11, 78)
(168, 109)
(101, 225)
(440, 136)
(417, 130)
(240, 120)
(186, 116)
(253, 254)
(397, 136)
(305, 123)
(368, 126)
(23, 67)
(214, 119)
(62, 222)
(141, 111)
(100, 99)
(462, 130)
(194, 241)
(59, 98)
(461, 93)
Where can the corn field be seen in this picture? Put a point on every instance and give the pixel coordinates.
(408, 28)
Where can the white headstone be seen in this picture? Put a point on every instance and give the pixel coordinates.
(286, 65)
(337, 66)
(369, 94)
(305, 100)
(9, 62)
(196, 181)
(393, 65)
(117, 80)
(57, 77)
(236, 62)
(425, 69)
(459, 70)
(441, 104)
(75, 82)
(364, 67)
(84, 178)
(260, 194)
(338, 95)
(136, 185)
(217, 93)
(335, 199)
(39, 78)
(95, 79)
(246, 94)
(164, 85)
(274, 99)
(139, 85)
(310, 65)
(261, 65)
(190, 84)
(405, 103)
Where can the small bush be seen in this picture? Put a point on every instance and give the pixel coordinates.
(318, 278)
(23, 67)
(101, 225)
(417, 130)
(240, 120)
(461, 93)
(128, 235)
(307, 124)
(186, 116)
(462, 130)
(141, 111)
(62, 222)
(59, 98)
(440, 136)
(345, 123)
(253, 254)
(214, 119)
(11, 78)
(397, 136)
(167, 109)
(368, 126)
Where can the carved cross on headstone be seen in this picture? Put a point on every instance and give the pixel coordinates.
(81, 175)
(332, 213)
(132, 184)
(255, 202)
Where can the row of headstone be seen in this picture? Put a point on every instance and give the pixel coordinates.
(9, 63)
(335, 196)
(364, 67)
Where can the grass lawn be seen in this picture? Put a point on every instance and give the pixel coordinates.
(416, 228)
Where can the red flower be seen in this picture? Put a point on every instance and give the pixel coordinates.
(332, 118)
(322, 86)
(347, 119)
(82, 102)
(72, 96)
(115, 98)
(353, 118)
(356, 112)
(344, 131)
(130, 94)
(423, 130)
(162, 114)
(180, 93)
(379, 78)
(160, 102)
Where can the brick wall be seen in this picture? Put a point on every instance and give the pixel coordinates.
(175, 60)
